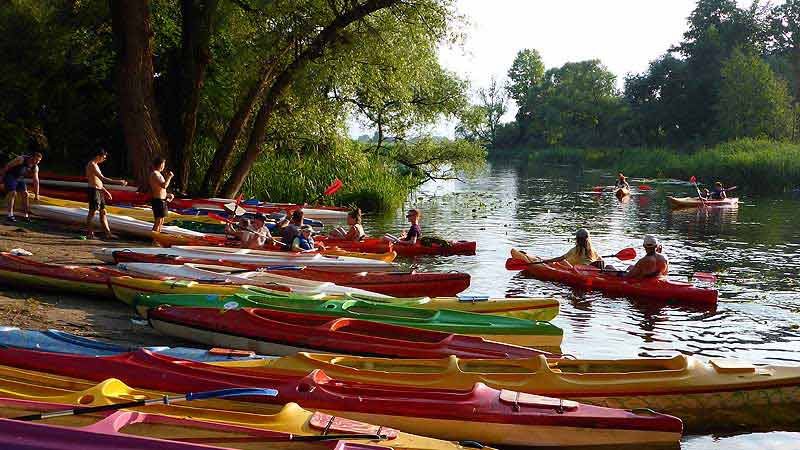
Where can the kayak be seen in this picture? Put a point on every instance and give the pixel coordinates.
(622, 193)
(168, 240)
(479, 414)
(218, 204)
(289, 418)
(18, 271)
(118, 197)
(146, 430)
(260, 258)
(118, 223)
(282, 333)
(62, 342)
(232, 276)
(396, 284)
(127, 289)
(376, 245)
(694, 202)
(589, 278)
(509, 330)
(715, 396)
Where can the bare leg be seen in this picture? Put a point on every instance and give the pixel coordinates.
(104, 223)
(26, 204)
(158, 224)
(90, 224)
(10, 201)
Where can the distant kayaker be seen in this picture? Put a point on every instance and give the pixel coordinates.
(356, 230)
(159, 183)
(304, 242)
(582, 254)
(292, 229)
(413, 234)
(653, 264)
(718, 192)
(14, 174)
(97, 193)
(622, 182)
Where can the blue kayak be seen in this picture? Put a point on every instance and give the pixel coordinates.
(55, 341)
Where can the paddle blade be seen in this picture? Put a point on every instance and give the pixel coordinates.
(645, 187)
(234, 392)
(219, 218)
(598, 188)
(516, 264)
(626, 254)
(704, 276)
(693, 180)
(335, 186)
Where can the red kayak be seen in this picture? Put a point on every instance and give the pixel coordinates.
(282, 332)
(480, 414)
(397, 284)
(375, 245)
(80, 195)
(590, 278)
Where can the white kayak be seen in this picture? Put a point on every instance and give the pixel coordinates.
(214, 204)
(80, 184)
(261, 258)
(118, 223)
(210, 273)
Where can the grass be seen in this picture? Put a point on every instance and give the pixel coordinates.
(371, 183)
(758, 165)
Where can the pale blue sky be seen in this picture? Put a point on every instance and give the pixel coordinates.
(624, 34)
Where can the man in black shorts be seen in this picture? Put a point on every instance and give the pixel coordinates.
(158, 188)
(97, 193)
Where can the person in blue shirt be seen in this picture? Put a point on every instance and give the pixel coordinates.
(413, 234)
(304, 242)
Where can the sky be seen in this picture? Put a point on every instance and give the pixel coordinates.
(624, 34)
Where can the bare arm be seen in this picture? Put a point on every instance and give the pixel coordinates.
(11, 164)
(36, 182)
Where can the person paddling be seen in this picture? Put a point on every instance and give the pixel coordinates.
(159, 182)
(14, 174)
(622, 182)
(582, 254)
(97, 193)
(718, 192)
(653, 264)
(413, 234)
(304, 242)
(355, 232)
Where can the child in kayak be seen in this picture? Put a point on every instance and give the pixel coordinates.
(304, 242)
(412, 235)
(718, 192)
(653, 264)
(582, 254)
(356, 231)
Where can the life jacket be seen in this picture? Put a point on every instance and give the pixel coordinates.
(305, 244)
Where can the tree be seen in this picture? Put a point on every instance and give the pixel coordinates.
(526, 72)
(785, 28)
(753, 102)
(479, 123)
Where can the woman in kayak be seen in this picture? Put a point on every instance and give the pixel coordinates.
(356, 231)
(622, 182)
(413, 234)
(304, 242)
(653, 264)
(582, 254)
(718, 192)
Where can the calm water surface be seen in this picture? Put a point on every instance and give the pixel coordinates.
(754, 249)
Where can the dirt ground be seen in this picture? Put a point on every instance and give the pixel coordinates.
(101, 318)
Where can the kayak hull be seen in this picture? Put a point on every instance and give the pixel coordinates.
(18, 271)
(658, 289)
(374, 245)
(694, 202)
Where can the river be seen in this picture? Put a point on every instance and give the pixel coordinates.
(754, 249)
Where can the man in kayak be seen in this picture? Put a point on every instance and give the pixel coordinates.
(14, 174)
(582, 254)
(718, 192)
(97, 193)
(292, 229)
(653, 264)
(159, 182)
(622, 182)
(413, 234)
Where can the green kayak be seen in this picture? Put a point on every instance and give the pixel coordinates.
(504, 329)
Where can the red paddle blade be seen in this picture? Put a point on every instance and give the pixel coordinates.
(598, 188)
(710, 277)
(626, 254)
(239, 199)
(693, 180)
(335, 186)
(516, 264)
(645, 187)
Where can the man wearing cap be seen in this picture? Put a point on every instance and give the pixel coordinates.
(653, 264)
(258, 234)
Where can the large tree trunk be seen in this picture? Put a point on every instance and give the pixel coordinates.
(328, 37)
(138, 112)
(190, 70)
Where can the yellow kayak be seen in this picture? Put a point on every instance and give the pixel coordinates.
(127, 288)
(719, 395)
(290, 418)
(145, 214)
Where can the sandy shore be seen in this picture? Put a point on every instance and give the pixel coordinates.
(101, 318)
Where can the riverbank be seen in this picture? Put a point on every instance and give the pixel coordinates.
(754, 165)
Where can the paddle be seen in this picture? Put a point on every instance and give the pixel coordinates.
(693, 180)
(335, 186)
(645, 187)
(234, 392)
(220, 218)
(705, 276)
(626, 254)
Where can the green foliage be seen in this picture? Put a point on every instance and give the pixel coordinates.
(526, 72)
(752, 101)
(479, 123)
(755, 165)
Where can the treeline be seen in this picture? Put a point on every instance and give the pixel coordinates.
(221, 87)
(734, 75)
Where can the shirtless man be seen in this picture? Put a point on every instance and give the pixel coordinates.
(97, 193)
(158, 188)
(653, 264)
